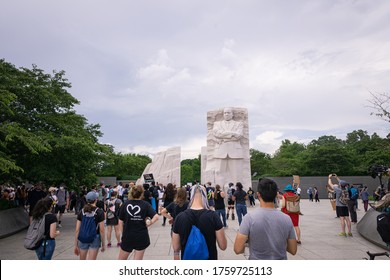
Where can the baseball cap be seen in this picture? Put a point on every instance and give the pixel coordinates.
(91, 196)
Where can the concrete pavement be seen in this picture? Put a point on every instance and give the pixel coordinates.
(319, 227)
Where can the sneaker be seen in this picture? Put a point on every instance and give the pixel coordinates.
(118, 244)
(109, 244)
(350, 234)
(342, 234)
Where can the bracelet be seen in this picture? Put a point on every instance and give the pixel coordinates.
(176, 253)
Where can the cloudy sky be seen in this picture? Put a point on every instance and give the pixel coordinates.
(148, 71)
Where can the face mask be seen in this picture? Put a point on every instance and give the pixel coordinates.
(61, 188)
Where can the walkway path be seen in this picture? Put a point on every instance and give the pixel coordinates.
(319, 240)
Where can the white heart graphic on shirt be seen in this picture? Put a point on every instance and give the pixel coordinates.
(133, 212)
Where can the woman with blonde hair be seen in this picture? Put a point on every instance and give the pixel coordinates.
(135, 216)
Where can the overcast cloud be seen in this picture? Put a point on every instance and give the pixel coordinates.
(148, 71)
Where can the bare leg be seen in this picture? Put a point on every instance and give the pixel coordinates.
(109, 230)
(139, 255)
(92, 254)
(342, 222)
(123, 255)
(83, 254)
(117, 233)
(298, 231)
(348, 224)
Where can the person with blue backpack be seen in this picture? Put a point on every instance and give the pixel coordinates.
(197, 230)
(90, 233)
(353, 197)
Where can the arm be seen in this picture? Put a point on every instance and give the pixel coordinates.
(283, 201)
(176, 246)
(153, 220)
(292, 246)
(239, 243)
(53, 230)
(76, 235)
(166, 214)
(221, 239)
(330, 183)
(67, 201)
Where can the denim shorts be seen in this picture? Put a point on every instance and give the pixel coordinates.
(95, 244)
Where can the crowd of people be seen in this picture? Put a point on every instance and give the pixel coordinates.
(122, 215)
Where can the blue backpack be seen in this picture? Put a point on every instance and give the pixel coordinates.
(354, 193)
(196, 246)
(88, 227)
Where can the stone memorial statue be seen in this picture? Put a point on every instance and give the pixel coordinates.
(165, 167)
(227, 156)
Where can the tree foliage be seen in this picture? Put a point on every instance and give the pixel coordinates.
(42, 138)
(125, 166)
(190, 170)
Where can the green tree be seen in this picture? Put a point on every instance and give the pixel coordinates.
(125, 166)
(190, 170)
(42, 138)
(327, 155)
(288, 159)
(260, 163)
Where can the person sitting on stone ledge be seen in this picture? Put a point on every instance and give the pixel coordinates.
(5, 202)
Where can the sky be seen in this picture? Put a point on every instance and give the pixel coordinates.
(149, 71)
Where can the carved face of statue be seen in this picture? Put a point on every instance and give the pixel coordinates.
(228, 114)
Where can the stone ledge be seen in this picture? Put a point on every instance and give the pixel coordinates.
(13, 220)
(367, 228)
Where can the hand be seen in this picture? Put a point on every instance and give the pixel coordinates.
(103, 248)
(76, 251)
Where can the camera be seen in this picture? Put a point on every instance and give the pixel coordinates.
(377, 170)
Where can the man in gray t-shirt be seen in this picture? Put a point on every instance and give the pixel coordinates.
(269, 232)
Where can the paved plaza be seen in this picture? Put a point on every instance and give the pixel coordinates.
(319, 227)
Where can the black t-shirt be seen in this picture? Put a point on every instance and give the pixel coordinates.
(34, 196)
(49, 219)
(147, 196)
(133, 214)
(99, 217)
(219, 201)
(174, 209)
(240, 196)
(207, 221)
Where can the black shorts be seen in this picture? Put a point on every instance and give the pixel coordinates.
(342, 211)
(112, 222)
(130, 247)
(60, 208)
(230, 202)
